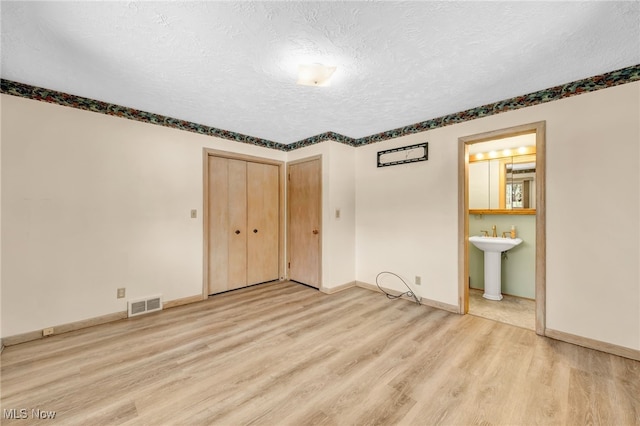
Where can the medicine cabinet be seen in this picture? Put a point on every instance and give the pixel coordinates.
(503, 182)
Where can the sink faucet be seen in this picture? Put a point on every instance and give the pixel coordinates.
(495, 233)
(486, 233)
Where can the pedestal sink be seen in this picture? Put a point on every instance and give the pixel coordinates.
(493, 248)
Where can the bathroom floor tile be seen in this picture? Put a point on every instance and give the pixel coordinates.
(510, 310)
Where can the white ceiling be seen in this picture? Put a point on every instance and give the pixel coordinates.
(232, 65)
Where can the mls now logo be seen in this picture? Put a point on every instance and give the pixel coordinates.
(15, 413)
(41, 414)
(23, 413)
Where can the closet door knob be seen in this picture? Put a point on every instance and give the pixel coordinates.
(237, 231)
(255, 231)
(315, 232)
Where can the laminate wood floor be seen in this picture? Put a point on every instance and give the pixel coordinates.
(285, 354)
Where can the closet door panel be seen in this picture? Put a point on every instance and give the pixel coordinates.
(243, 223)
(263, 201)
(218, 224)
(237, 231)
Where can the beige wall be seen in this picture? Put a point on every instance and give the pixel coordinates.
(91, 203)
(406, 216)
(1, 335)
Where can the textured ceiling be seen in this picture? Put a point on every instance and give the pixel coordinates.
(232, 65)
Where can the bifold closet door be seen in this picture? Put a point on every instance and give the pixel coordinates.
(227, 224)
(263, 200)
(244, 223)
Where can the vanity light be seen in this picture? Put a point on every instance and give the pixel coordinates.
(315, 75)
(503, 153)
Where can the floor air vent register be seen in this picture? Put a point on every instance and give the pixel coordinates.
(144, 306)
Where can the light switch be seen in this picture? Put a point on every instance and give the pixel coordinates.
(337, 213)
(194, 214)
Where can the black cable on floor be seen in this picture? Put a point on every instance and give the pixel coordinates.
(409, 293)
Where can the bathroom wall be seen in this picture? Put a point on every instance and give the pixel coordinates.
(519, 268)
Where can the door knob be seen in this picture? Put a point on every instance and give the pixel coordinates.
(255, 231)
(237, 231)
(315, 232)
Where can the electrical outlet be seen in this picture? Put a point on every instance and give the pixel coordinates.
(418, 280)
(194, 214)
(337, 213)
(47, 331)
(121, 293)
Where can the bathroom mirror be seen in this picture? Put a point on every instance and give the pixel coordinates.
(504, 183)
(520, 183)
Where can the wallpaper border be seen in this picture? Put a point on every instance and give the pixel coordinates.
(587, 85)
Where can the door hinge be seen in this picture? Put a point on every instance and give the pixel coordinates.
(289, 265)
(289, 176)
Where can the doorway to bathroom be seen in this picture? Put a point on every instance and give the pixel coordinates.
(502, 196)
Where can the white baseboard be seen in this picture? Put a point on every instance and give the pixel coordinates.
(423, 301)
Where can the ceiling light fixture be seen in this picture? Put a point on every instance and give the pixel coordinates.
(315, 75)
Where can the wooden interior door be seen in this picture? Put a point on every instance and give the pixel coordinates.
(263, 218)
(304, 218)
(227, 224)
